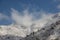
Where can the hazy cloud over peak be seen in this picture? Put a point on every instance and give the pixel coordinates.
(26, 21)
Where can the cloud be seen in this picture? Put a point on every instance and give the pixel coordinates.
(27, 22)
(58, 7)
(2, 16)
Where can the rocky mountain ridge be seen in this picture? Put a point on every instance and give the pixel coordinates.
(51, 31)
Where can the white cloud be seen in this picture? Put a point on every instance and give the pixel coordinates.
(58, 6)
(24, 24)
(2, 16)
(27, 20)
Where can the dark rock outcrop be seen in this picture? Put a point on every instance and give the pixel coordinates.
(46, 32)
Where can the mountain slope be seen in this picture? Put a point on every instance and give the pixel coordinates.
(50, 32)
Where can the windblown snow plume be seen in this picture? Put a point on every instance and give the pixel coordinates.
(25, 24)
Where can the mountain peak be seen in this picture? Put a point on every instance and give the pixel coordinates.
(50, 32)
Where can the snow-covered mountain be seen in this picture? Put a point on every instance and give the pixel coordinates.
(48, 31)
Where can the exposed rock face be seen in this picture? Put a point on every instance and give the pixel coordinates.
(51, 32)
(10, 37)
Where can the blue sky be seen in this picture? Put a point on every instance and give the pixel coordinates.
(49, 6)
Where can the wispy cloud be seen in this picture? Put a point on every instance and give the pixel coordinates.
(27, 23)
(25, 20)
(2, 16)
(58, 7)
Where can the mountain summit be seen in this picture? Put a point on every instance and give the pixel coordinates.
(50, 31)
